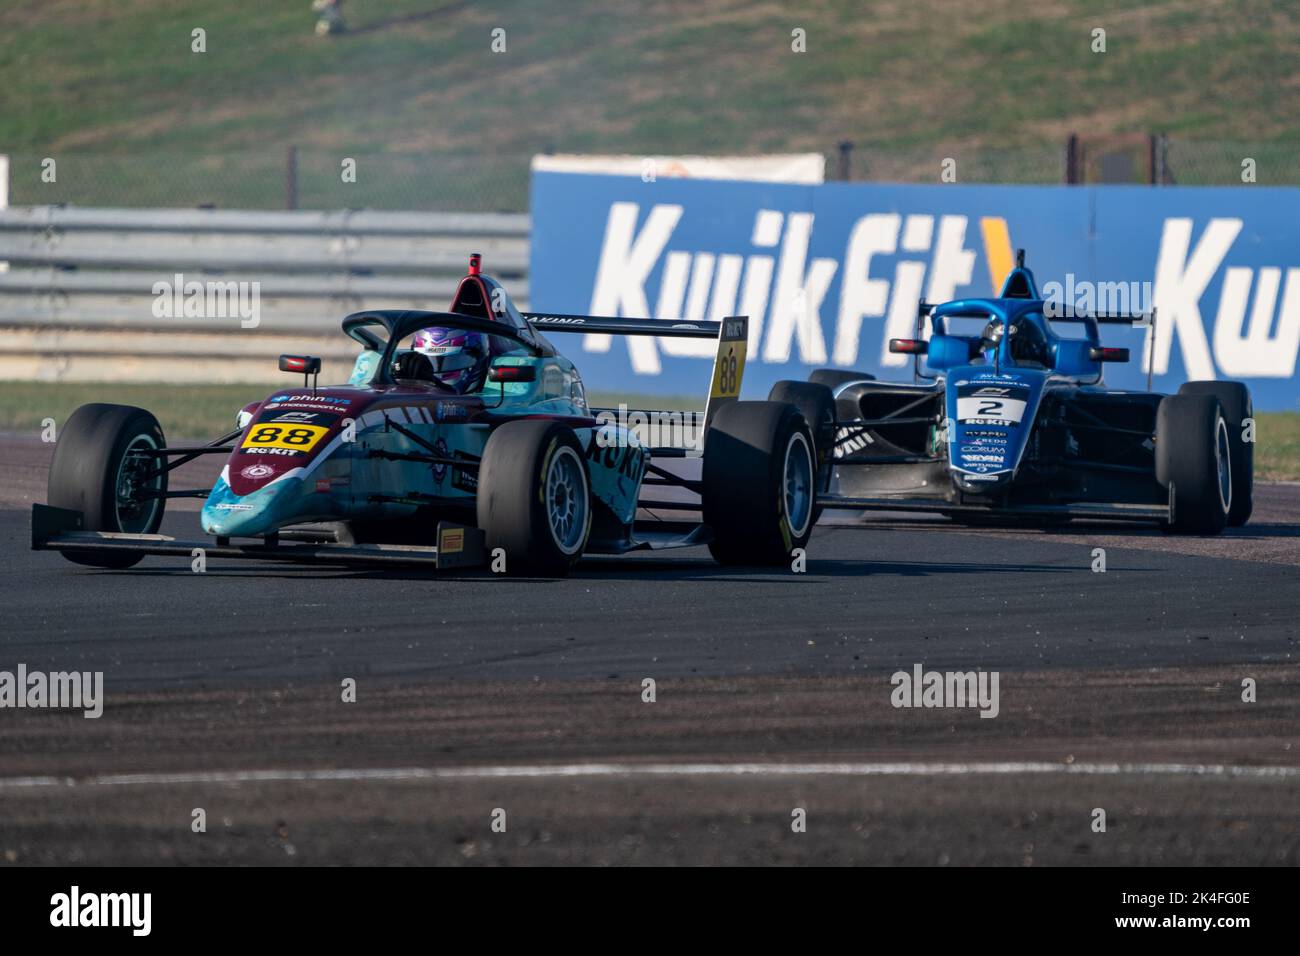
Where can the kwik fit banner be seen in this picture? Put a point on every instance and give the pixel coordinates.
(829, 273)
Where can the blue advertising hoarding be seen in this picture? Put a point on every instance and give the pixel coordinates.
(829, 273)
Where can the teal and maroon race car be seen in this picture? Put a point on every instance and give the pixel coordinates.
(461, 438)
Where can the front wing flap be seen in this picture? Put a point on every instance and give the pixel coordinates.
(59, 529)
(1117, 510)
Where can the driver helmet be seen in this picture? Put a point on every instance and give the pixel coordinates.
(991, 338)
(1028, 344)
(459, 358)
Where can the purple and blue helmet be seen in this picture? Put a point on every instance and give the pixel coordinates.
(459, 358)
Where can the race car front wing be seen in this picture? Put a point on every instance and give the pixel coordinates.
(61, 529)
(1118, 510)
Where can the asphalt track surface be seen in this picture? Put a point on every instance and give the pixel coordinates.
(476, 693)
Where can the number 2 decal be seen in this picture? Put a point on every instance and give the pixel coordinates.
(979, 408)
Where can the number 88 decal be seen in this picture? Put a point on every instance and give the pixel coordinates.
(295, 437)
(727, 373)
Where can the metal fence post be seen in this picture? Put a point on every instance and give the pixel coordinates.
(291, 178)
(846, 161)
(4, 194)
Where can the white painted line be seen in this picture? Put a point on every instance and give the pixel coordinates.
(542, 771)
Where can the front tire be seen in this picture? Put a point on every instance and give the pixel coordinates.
(1194, 457)
(534, 497)
(96, 470)
(817, 406)
(759, 483)
(1237, 405)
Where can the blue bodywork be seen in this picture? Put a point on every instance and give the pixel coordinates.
(991, 406)
(1007, 413)
(991, 401)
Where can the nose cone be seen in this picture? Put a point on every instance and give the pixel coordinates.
(261, 512)
(981, 484)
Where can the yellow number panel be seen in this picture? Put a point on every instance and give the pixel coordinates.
(284, 435)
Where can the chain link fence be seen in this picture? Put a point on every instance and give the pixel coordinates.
(314, 179)
(1223, 164)
(285, 179)
(1041, 164)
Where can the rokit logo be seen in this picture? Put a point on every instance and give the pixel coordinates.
(78, 909)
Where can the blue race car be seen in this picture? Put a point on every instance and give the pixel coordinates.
(1014, 421)
(462, 437)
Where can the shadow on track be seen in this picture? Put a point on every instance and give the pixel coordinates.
(620, 569)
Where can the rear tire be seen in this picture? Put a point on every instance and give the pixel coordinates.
(759, 477)
(1237, 405)
(833, 378)
(1193, 455)
(534, 497)
(94, 472)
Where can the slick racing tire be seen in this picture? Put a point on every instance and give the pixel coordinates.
(759, 483)
(96, 471)
(534, 497)
(1235, 399)
(833, 378)
(1194, 457)
(817, 406)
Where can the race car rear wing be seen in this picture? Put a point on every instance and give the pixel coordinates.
(620, 325)
(1091, 321)
(732, 335)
